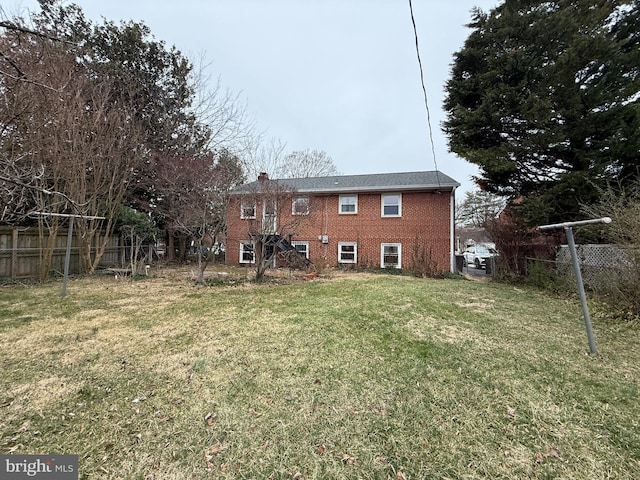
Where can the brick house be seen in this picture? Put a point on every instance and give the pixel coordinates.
(378, 220)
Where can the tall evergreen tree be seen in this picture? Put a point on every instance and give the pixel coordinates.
(545, 98)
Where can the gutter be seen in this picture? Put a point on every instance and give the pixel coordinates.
(452, 231)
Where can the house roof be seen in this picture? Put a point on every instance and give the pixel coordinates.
(377, 182)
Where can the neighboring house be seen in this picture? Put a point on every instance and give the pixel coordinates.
(377, 220)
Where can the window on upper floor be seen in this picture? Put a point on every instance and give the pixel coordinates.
(348, 204)
(391, 255)
(269, 216)
(248, 209)
(392, 205)
(247, 252)
(300, 206)
(347, 252)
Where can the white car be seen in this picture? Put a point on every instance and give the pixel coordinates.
(477, 256)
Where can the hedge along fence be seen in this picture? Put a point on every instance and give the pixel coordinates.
(20, 253)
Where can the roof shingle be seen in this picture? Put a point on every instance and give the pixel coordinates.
(403, 181)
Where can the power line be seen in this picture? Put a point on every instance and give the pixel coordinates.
(424, 90)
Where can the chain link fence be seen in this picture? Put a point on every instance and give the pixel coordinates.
(602, 266)
(609, 272)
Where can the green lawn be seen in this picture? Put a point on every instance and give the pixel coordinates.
(355, 376)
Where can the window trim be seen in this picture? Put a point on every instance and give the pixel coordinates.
(355, 252)
(269, 214)
(242, 251)
(243, 205)
(293, 205)
(340, 204)
(295, 243)
(382, 205)
(391, 244)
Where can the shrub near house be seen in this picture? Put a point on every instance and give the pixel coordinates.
(377, 220)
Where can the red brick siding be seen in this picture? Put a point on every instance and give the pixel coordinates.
(425, 217)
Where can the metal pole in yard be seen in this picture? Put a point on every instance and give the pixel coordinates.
(67, 259)
(579, 282)
(568, 228)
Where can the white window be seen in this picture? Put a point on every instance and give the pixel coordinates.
(300, 206)
(248, 209)
(391, 255)
(302, 247)
(392, 205)
(348, 204)
(269, 216)
(347, 252)
(247, 252)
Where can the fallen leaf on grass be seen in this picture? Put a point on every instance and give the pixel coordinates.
(551, 452)
(349, 460)
(215, 450)
(208, 418)
(401, 476)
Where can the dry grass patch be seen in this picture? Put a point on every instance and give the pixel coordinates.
(353, 376)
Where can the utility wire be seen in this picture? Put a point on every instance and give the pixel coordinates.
(424, 91)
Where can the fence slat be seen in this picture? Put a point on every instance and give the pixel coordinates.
(22, 263)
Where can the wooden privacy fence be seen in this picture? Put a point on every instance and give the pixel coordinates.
(20, 253)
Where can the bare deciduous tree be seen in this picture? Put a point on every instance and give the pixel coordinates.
(478, 208)
(278, 210)
(221, 111)
(271, 158)
(82, 147)
(193, 193)
(307, 163)
(622, 204)
(263, 157)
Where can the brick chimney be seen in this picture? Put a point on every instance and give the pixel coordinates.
(263, 177)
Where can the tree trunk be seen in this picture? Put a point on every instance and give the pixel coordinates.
(182, 247)
(171, 246)
(202, 263)
(46, 248)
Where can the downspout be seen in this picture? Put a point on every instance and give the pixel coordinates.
(452, 231)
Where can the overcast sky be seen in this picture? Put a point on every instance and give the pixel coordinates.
(340, 76)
